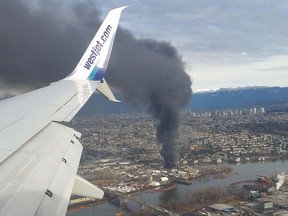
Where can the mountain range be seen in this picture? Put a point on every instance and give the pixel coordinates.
(271, 98)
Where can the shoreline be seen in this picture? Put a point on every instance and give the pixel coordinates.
(162, 188)
(80, 206)
(83, 205)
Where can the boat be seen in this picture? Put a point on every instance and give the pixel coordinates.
(182, 181)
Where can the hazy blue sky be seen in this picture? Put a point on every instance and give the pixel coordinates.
(225, 43)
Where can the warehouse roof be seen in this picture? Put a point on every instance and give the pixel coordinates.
(221, 207)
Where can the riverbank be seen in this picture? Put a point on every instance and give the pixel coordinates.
(84, 204)
(242, 172)
(165, 188)
(159, 181)
(197, 200)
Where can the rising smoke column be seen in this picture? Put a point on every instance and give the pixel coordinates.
(155, 79)
(42, 42)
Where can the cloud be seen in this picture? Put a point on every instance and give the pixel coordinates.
(41, 43)
(280, 68)
(228, 27)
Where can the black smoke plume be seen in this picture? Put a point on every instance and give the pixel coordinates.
(42, 42)
(152, 75)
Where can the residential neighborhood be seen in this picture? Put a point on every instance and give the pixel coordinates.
(123, 156)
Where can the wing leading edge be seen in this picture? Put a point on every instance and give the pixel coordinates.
(39, 157)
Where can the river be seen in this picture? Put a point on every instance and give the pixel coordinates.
(247, 171)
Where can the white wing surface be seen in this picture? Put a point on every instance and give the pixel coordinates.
(39, 156)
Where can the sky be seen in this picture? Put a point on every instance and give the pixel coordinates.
(223, 43)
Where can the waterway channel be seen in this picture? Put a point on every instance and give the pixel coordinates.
(247, 171)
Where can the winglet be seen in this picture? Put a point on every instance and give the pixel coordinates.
(94, 62)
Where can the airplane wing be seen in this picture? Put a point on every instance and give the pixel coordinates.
(39, 156)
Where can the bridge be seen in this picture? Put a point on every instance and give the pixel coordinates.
(122, 200)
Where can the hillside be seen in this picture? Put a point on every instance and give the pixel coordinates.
(268, 97)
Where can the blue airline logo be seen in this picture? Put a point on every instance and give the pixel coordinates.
(95, 51)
